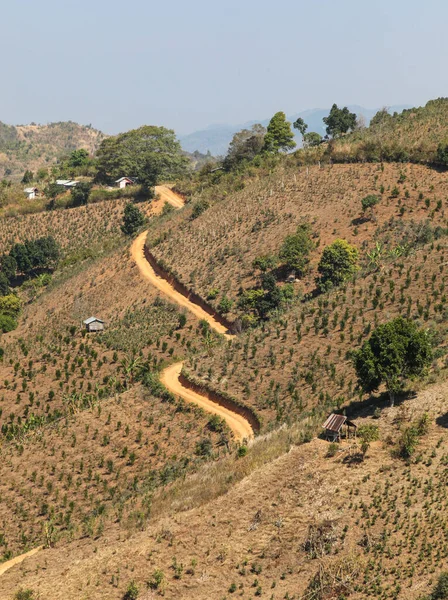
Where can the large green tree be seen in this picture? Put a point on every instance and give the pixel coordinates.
(149, 153)
(337, 263)
(339, 121)
(279, 136)
(300, 125)
(395, 352)
(80, 193)
(245, 145)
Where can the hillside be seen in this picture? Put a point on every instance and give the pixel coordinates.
(412, 135)
(216, 138)
(33, 146)
(112, 467)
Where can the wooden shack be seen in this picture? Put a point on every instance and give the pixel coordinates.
(334, 426)
(94, 324)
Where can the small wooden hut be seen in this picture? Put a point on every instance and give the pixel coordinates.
(334, 425)
(94, 324)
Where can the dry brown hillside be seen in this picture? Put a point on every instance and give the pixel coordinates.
(40, 146)
(125, 483)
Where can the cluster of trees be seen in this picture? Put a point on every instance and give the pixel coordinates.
(338, 262)
(279, 137)
(29, 258)
(149, 153)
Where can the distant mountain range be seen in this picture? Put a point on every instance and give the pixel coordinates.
(216, 138)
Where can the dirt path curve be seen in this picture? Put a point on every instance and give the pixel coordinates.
(167, 195)
(238, 424)
(17, 560)
(170, 376)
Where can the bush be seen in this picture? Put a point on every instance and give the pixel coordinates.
(198, 208)
(7, 323)
(133, 219)
(131, 592)
(242, 451)
(10, 305)
(332, 449)
(296, 249)
(337, 263)
(440, 591)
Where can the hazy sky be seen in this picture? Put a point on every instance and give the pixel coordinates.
(189, 63)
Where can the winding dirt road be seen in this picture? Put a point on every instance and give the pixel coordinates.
(17, 559)
(240, 427)
(167, 195)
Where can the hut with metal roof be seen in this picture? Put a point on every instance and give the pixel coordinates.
(334, 426)
(94, 324)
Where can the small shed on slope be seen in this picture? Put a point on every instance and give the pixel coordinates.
(334, 426)
(31, 192)
(94, 324)
(124, 182)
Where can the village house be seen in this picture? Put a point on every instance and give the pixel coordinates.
(123, 182)
(31, 192)
(94, 324)
(67, 183)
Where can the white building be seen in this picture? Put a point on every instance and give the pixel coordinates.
(31, 192)
(124, 182)
(67, 183)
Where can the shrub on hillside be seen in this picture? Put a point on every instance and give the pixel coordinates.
(296, 249)
(133, 219)
(338, 262)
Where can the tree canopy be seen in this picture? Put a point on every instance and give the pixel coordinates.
(300, 125)
(296, 249)
(245, 145)
(395, 352)
(337, 263)
(279, 136)
(312, 139)
(80, 193)
(339, 121)
(35, 255)
(149, 153)
(133, 219)
(78, 158)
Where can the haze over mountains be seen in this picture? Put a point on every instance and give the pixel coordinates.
(216, 138)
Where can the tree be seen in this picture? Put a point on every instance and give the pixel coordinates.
(339, 121)
(52, 191)
(337, 263)
(78, 158)
(4, 284)
(28, 177)
(147, 153)
(312, 139)
(80, 193)
(296, 249)
(133, 219)
(245, 145)
(300, 125)
(368, 203)
(440, 591)
(34, 255)
(395, 352)
(442, 154)
(8, 266)
(381, 117)
(279, 136)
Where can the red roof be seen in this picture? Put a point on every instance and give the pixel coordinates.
(334, 422)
